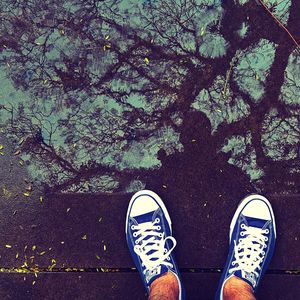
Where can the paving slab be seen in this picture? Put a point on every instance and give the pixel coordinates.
(87, 231)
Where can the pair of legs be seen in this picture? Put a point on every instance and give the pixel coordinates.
(150, 241)
(166, 287)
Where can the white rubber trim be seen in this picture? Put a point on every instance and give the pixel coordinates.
(242, 205)
(222, 288)
(179, 284)
(157, 199)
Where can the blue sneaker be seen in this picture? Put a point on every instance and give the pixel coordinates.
(149, 238)
(251, 242)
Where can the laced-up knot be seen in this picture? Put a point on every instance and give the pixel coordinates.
(249, 250)
(150, 246)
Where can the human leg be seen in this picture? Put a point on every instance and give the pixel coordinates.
(236, 289)
(164, 288)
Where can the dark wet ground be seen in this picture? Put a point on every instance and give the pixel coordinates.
(200, 103)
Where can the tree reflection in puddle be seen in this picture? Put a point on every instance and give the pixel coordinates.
(111, 96)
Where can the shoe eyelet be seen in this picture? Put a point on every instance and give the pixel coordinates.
(233, 263)
(160, 235)
(134, 234)
(132, 227)
(242, 225)
(168, 258)
(267, 231)
(240, 240)
(136, 242)
(158, 228)
(157, 220)
(242, 233)
(266, 239)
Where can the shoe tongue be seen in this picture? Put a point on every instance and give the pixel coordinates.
(155, 273)
(246, 276)
(253, 222)
(148, 217)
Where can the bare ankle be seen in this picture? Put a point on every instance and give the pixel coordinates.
(237, 289)
(164, 287)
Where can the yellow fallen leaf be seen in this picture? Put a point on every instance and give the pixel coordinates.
(8, 246)
(147, 60)
(6, 192)
(202, 31)
(107, 46)
(26, 194)
(24, 265)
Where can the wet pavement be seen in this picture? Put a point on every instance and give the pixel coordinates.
(199, 102)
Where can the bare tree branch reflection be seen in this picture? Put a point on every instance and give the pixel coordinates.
(109, 88)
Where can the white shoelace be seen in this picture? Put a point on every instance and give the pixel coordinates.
(248, 252)
(150, 240)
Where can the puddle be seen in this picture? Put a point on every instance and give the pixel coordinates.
(107, 97)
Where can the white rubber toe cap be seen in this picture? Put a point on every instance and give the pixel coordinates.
(142, 205)
(143, 202)
(254, 206)
(257, 209)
